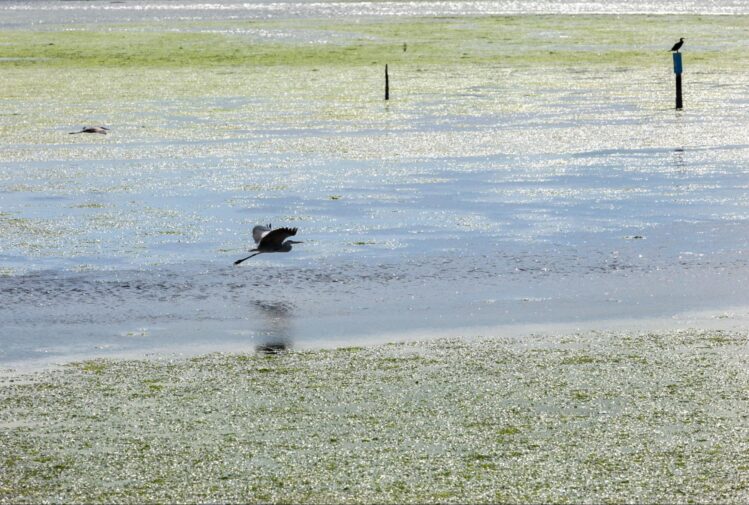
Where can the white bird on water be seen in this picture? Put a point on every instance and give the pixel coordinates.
(268, 240)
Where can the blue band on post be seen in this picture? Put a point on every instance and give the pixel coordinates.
(677, 63)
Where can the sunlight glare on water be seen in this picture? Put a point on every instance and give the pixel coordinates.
(44, 12)
(483, 194)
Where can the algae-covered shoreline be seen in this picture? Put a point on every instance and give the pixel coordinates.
(518, 41)
(597, 417)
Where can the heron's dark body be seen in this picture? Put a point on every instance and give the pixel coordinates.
(268, 240)
(678, 45)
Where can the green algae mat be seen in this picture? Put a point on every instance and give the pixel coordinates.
(515, 40)
(602, 418)
(115, 61)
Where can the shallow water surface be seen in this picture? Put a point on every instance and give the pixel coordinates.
(42, 13)
(482, 195)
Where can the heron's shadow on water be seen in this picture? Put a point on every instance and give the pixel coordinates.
(276, 327)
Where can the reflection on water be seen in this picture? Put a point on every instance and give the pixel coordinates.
(274, 326)
(678, 157)
(271, 348)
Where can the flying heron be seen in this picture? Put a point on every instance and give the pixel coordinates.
(268, 240)
(93, 129)
(678, 45)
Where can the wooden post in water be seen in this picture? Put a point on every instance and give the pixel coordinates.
(387, 84)
(677, 71)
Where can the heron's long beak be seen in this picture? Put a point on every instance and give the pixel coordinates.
(295, 241)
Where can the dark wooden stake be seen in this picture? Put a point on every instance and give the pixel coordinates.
(677, 71)
(387, 84)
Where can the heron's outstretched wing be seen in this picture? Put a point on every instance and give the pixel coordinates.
(274, 238)
(259, 232)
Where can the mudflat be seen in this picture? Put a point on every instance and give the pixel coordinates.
(595, 417)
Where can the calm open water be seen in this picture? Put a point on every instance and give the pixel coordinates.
(38, 13)
(582, 202)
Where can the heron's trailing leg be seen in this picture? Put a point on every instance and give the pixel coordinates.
(248, 257)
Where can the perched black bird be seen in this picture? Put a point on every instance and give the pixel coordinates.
(678, 45)
(268, 240)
